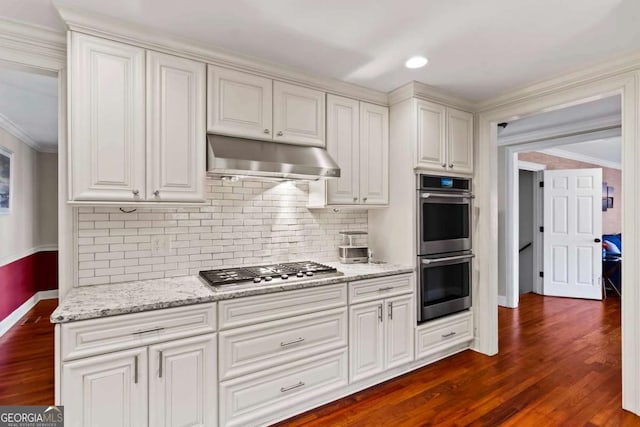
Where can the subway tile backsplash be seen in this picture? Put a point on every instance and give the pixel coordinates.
(243, 222)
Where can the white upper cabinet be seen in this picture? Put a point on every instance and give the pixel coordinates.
(460, 139)
(444, 138)
(343, 144)
(374, 154)
(298, 114)
(240, 104)
(176, 134)
(107, 104)
(431, 135)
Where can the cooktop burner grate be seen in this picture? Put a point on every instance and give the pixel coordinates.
(265, 273)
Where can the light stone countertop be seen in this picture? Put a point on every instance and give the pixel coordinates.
(91, 302)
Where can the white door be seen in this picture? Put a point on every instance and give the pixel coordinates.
(343, 144)
(366, 340)
(107, 138)
(399, 330)
(239, 104)
(106, 391)
(175, 128)
(183, 382)
(298, 114)
(572, 233)
(374, 154)
(431, 136)
(459, 141)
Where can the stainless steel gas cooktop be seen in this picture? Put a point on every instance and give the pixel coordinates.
(269, 274)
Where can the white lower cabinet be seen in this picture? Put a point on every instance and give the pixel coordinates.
(183, 382)
(442, 334)
(380, 336)
(109, 390)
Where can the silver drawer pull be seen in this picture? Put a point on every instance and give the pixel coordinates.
(387, 288)
(135, 370)
(284, 344)
(291, 387)
(148, 331)
(449, 335)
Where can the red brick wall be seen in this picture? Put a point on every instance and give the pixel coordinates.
(612, 218)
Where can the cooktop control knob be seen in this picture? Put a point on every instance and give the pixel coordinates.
(299, 274)
(309, 273)
(268, 278)
(257, 279)
(284, 276)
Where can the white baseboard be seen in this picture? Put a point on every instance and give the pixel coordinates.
(502, 301)
(17, 314)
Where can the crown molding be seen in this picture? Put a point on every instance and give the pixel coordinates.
(108, 27)
(23, 43)
(610, 68)
(559, 152)
(22, 135)
(427, 92)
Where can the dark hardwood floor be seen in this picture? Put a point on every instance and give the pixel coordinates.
(26, 359)
(559, 365)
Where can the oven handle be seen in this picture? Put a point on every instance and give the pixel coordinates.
(451, 258)
(447, 195)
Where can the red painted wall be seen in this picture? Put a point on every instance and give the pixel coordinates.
(21, 279)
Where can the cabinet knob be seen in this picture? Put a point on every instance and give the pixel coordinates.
(355, 199)
(136, 192)
(444, 165)
(280, 133)
(156, 193)
(450, 165)
(267, 131)
(364, 199)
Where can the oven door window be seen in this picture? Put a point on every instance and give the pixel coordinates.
(444, 221)
(442, 283)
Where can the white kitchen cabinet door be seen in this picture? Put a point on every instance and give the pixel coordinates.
(298, 115)
(183, 382)
(107, 138)
(108, 390)
(343, 144)
(239, 104)
(431, 136)
(460, 141)
(374, 154)
(366, 340)
(176, 130)
(399, 331)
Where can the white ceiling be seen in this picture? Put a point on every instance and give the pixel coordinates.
(603, 151)
(29, 102)
(477, 49)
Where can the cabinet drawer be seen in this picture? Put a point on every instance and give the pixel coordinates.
(263, 308)
(382, 287)
(255, 398)
(435, 336)
(257, 347)
(98, 336)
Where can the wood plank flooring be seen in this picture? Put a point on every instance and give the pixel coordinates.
(26, 358)
(559, 365)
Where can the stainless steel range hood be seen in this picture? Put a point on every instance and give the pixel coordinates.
(231, 156)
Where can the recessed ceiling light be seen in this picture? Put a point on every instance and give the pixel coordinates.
(416, 62)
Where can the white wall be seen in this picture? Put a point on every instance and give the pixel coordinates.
(526, 230)
(22, 230)
(244, 222)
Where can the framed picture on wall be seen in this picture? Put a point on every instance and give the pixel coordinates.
(6, 171)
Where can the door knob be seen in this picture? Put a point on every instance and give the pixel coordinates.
(156, 193)
(597, 240)
(266, 131)
(280, 133)
(451, 165)
(444, 165)
(136, 192)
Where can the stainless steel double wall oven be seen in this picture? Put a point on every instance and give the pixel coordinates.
(444, 245)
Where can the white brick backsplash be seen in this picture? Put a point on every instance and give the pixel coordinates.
(244, 222)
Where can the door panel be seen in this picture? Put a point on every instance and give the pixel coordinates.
(460, 141)
(573, 222)
(431, 136)
(343, 144)
(239, 104)
(366, 340)
(183, 382)
(374, 154)
(298, 115)
(399, 330)
(175, 128)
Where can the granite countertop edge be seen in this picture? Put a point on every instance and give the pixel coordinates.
(80, 303)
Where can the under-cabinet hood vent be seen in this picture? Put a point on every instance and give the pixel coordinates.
(231, 156)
